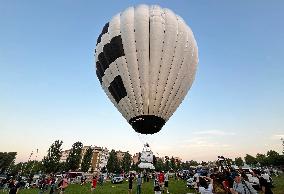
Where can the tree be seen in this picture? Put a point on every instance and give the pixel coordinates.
(134, 166)
(51, 161)
(86, 162)
(281, 160)
(159, 165)
(62, 167)
(261, 159)
(173, 163)
(239, 161)
(6, 160)
(74, 157)
(273, 157)
(230, 161)
(154, 160)
(250, 160)
(187, 165)
(36, 167)
(193, 163)
(15, 169)
(167, 164)
(112, 163)
(31, 167)
(126, 162)
(178, 164)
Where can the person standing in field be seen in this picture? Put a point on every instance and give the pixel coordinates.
(94, 183)
(63, 185)
(167, 182)
(130, 183)
(157, 186)
(139, 184)
(161, 179)
(205, 185)
(265, 187)
(241, 186)
(13, 187)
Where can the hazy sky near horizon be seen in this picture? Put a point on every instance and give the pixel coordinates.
(49, 89)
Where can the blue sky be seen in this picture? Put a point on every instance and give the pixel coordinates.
(49, 89)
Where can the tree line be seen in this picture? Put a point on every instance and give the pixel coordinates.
(272, 158)
(77, 162)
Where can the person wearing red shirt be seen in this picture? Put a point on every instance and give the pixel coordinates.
(161, 178)
(94, 183)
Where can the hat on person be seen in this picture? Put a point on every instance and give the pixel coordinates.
(234, 175)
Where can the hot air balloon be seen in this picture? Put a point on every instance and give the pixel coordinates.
(146, 59)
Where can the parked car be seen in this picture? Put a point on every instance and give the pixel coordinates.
(117, 179)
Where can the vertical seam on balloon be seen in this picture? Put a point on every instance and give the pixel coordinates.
(119, 73)
(162, 108)
(189, 84)
(148, 97)
(180, 97)
(139, 79)
(124, 106)
(132, 89)
(115, 92)
(175, 102)
(106, 88)
(124, 103)
(166, 107)
(164, 89)
(145, 73)
(128, 105)
(163, 47)
(179, 71)
(136, 96)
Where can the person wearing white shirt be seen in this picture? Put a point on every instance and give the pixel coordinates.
(204, 186)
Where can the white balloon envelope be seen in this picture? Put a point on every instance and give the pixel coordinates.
(146, 59)
(146, 165)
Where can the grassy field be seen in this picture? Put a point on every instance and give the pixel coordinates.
(175, 187)
(278, 183)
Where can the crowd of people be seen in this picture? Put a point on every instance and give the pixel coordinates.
(52, 183)
(231, 181)
(205, 182)
(161, 182)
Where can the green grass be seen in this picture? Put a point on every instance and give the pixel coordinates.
(278, 183)
(175, 187)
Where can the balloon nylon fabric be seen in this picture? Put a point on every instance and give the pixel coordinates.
(146, 59)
